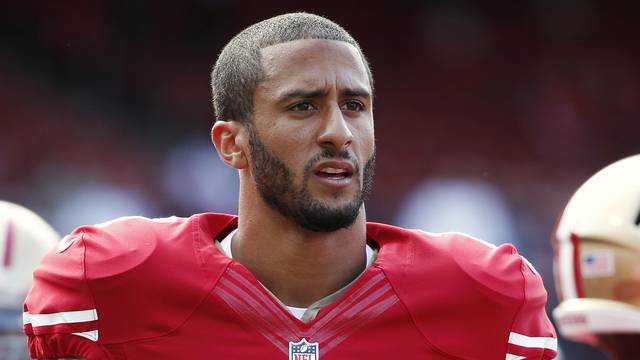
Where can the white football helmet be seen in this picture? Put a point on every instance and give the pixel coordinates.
(24, 238)
(597, 259)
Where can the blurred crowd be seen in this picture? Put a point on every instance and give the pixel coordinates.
(488, 115)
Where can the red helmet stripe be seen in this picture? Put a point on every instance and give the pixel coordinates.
(576, 265)
(8, 245)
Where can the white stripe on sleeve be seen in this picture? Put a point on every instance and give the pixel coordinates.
(514, 357)
(67, 317)
(91, 335)
(550, 343)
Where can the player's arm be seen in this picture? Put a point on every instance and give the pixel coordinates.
(515, 300)
(532, 335)
(518, 296)
(60, 316)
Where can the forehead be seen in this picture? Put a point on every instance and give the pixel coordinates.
(314, 63)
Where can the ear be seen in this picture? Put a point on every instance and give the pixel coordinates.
(229, 139)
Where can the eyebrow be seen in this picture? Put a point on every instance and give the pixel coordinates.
(357, 92)
(310, 94)
(301, 93)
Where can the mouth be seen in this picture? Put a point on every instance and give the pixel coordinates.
(334, 173)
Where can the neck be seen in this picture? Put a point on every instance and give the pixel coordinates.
(297, 265)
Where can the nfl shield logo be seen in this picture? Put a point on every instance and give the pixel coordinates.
(303, 350)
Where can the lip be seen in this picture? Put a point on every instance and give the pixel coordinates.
(338, 164)
(331, 182)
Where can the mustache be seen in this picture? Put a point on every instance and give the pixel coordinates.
(328, 154)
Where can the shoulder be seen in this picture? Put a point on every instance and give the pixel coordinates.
(117, 272)
(131, 243)
(453, 283)
(117, 247)
(470, 260)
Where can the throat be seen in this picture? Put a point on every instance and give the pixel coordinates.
(302, 275)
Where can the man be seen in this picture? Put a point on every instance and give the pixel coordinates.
(299, 273)
(24, 238)
(598, 262)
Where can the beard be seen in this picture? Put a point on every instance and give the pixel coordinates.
(275, 184)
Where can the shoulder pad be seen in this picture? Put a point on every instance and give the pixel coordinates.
(112, 276)
(452, 283)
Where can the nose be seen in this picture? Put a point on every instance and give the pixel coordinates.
(335, 132)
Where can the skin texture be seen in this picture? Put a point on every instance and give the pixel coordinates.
(316, 99)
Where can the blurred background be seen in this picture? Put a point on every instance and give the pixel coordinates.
(488, 114)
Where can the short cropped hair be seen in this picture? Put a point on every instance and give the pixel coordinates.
(239, 69)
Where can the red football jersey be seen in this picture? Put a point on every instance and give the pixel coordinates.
(139, 288)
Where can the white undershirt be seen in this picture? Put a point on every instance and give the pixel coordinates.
(225, 247)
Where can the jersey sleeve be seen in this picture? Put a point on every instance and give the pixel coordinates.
(93, 295)
(532, 335)
(523, 329)
(60, 317)
(479, 301)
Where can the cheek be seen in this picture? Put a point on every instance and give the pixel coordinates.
(292, 148)
(366, 139)
(293, 138)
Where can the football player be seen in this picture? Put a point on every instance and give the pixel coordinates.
(299, 273)
(597, 263)
(24, 238)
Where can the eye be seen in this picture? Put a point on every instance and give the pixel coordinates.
(303, 106)
(352, 105)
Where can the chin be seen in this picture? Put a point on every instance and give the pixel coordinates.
(336, 202)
